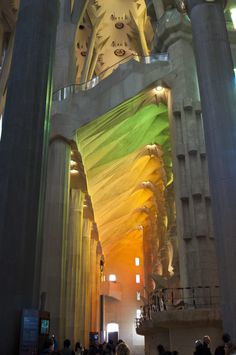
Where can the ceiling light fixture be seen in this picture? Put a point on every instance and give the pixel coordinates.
(74, 171)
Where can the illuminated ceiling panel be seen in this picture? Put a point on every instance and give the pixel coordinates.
(110, 32)
(123, 152)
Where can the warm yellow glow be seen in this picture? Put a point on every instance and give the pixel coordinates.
(138, 279)
(73, 163)
(233, 17)
(74, 171)
(117, 161)
(137, 261)
(112, 277)
(159, 88)
(138, 296)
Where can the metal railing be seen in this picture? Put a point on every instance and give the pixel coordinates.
(69, 90)
(180, 298)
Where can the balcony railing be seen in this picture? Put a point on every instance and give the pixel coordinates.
(69, 90)
(181, 298)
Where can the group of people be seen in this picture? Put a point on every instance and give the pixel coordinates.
(202, 347)
(109, 348)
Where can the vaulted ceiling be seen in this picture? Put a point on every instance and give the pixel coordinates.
(127, 159)
(111, 30)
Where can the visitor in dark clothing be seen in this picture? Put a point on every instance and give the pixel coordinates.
(220, 350)
(48, 347)
(206, 345)
(198, 347)
(67, 350)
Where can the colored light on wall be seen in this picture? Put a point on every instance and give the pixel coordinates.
(233, 17)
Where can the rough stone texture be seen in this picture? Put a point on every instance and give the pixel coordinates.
(22, 160)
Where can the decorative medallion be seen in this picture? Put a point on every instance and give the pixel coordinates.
(119, 52)
(119, 25)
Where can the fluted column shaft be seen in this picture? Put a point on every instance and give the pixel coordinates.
(73, 256)
(98, 285)
(55, 231)
(84, 289)
(94, 276)
(147, 256)
(218, 97)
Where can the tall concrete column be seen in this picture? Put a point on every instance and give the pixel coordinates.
(84, 304)
(218, 97)
(73, 256)
(98, 284)
(23, 153)
(1, 42)
(65, 63)
(55, 231)
(93, 276)
(147, 256)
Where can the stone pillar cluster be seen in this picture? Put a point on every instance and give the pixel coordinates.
(71, 257)
(193, 200)
(55, 230)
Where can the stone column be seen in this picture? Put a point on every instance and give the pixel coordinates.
(98, 285)
(193, 201)
(93, 277)
(55, 231)
(147, 256)
(65, 64)
(1, 42)
(218, 97)
(23, 155)
(73, 256)
(84, 303)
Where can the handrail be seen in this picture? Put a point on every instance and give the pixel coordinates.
(172, 299)
(69, 90)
